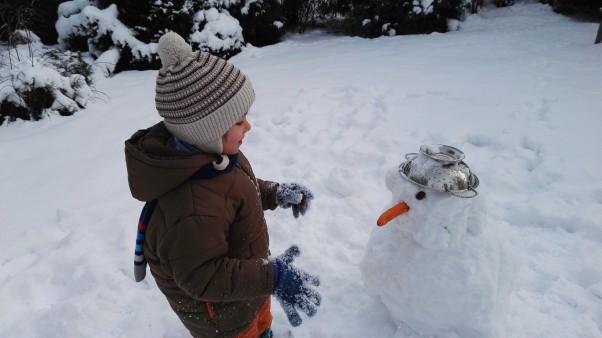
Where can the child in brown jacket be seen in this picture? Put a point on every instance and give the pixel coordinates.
(202, 231)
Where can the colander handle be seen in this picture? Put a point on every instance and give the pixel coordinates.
(413, 155)
(461, 196)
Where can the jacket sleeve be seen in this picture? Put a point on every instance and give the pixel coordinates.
(268, 191)
(196, 252)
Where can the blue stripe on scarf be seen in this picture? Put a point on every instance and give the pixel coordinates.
(139, 261)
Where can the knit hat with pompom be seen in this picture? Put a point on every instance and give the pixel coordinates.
(199, 96)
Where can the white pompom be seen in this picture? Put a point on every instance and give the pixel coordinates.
(223, 164)
(172, 49)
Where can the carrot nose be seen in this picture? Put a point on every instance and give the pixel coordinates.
(395, 211)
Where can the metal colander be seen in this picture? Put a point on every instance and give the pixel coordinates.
(440, 167)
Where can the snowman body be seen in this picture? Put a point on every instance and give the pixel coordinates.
(439, 268)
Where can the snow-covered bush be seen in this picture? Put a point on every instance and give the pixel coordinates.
(84, 27)
(223, 27)
(150, 19)
(134, 27)
(37, 81)
(373, 18)
(262, 22)
(217, 32)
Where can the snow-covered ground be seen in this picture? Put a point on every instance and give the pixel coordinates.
(517, 89)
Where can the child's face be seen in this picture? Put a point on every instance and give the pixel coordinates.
(232, 140)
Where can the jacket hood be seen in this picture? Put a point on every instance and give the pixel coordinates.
(154, 166)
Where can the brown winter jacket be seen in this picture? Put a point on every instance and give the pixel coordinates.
(206, 243)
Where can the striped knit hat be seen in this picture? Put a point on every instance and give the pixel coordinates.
(199, 96)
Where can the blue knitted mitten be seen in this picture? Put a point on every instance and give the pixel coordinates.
(293, 289)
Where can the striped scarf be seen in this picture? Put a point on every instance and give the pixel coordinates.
(139, 261)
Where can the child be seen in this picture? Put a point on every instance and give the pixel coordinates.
(203, 231)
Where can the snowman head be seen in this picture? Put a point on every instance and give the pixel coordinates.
(435, 216)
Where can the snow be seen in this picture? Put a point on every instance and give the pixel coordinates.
(220, 32)
(516, 89)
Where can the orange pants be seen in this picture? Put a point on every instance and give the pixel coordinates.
(261, 323)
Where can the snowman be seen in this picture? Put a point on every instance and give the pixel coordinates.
(434, 261)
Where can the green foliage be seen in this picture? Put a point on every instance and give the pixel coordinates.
(260, 24)
(34, 101)
(131, 61)
(373, 18)
(300, 15)
(14, 15)
(587, 9)
(503, 3)
(38, 16)
(44, 18)
(37, 99)
(11, 112)
(77, 43)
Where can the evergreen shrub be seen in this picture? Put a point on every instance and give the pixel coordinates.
(38, 80)
(503, 3)
(586, 9)
(373, 18)
(262, 22)
(38, 16)
(134, 27)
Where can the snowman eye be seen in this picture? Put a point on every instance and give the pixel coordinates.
(420, 195)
